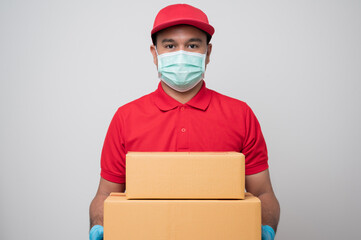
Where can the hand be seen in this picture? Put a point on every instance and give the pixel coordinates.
(267, 233)
(96, 233)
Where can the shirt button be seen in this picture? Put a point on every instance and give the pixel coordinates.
(183, 129)
(182, 108)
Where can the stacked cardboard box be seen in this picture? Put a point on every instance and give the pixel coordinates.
(183, 196)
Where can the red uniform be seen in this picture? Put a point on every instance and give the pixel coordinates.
(156, 122)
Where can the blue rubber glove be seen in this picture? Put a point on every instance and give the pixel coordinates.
(267, 233)
(96, 233)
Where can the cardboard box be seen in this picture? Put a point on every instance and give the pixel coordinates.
(183, 219)
(185, 175)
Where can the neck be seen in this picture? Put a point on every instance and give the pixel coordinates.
(182, 97)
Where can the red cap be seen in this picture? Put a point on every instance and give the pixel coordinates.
(181, 14)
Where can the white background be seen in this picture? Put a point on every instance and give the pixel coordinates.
(66, 66)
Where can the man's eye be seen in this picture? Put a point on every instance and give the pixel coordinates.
(170, 46)
(192, 46)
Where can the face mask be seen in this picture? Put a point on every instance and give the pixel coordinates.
(181, 70)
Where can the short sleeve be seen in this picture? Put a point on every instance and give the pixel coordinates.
(113, 152)
(254, 146)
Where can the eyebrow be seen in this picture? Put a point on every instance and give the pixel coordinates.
(195, 40)
(167, 40)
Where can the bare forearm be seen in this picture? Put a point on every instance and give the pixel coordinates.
(270, 209)
(96, 210)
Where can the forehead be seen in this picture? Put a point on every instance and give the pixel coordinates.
(181, 32)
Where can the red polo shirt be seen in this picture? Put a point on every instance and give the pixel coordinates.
(210, 121)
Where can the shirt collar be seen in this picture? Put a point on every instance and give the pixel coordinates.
(165, 103)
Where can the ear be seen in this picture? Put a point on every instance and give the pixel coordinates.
(209, 50)
(155, 58)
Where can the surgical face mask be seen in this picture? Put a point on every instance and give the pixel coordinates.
(181, 70)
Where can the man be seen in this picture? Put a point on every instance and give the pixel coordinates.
(184, 115)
